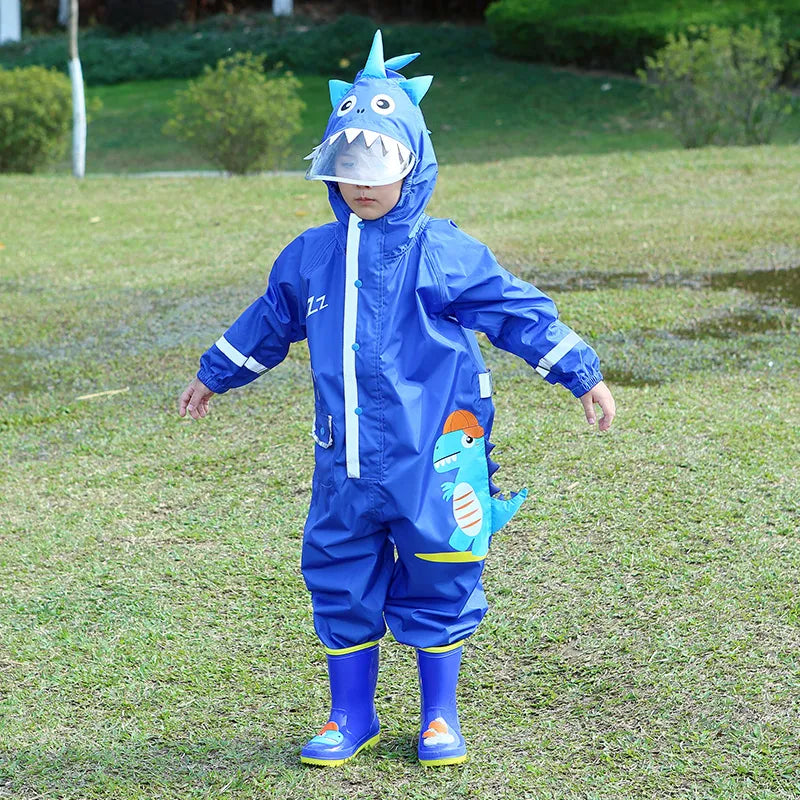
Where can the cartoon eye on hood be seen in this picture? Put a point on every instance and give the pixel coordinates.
(373, 133)
(346, 106)
(382, 104)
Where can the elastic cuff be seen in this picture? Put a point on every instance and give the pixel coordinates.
(444, 648)
(347, 650)
(209, 380)
(581, 386)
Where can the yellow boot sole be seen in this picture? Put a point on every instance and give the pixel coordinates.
(443, 762)
(337, 762)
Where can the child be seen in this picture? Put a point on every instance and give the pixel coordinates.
(387, 298)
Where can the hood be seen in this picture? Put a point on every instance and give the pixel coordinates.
(359, 109)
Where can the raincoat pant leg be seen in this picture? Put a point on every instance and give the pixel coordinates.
(432, 603)
(347, 564)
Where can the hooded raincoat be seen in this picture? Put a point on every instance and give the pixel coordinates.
(402, 506)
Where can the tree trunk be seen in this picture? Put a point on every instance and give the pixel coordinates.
(78, 98)
(10, 21)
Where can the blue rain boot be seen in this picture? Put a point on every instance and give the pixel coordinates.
(440, 739)
(353, 724)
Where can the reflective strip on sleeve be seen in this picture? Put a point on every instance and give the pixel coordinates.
(549, 360)
(485, 381)
(348, 354)
(254, 366)
(238, 358)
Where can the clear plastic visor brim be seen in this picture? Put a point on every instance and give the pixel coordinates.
(360, 157)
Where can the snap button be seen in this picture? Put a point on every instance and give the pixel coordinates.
(358, 284)
(359, 411)
(361, 224)
(356, 346)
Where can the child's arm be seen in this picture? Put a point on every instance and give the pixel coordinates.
(257, 341)
(516, 317)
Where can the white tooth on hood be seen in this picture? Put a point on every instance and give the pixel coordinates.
(312, 153)
(370, 137)
(335, 136)
(351, 134)
(387, 143)
(404, 152)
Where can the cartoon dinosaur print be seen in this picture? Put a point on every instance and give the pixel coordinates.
(478, 515)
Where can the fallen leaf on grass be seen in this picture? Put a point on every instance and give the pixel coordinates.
(103, 394)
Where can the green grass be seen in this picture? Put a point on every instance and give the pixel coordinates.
(155, 633)
(490, 110)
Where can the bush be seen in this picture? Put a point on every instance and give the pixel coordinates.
(236, 116)
(332, 49)
(721, 87)
(619, 34)
(35, 116)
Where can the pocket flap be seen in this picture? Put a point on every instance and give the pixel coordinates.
(322, 431)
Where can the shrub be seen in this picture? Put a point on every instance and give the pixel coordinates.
(35, 115)
(236, 116)
(332, 49)
(722, 86)
(618, 34)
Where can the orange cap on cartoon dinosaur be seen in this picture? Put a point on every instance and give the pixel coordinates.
(466, 421)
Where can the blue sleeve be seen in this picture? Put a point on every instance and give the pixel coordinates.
(259, 339)
(513, 314)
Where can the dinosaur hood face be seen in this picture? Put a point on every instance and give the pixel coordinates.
(376, 135)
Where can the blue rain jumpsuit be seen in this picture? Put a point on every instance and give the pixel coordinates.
(388, 308)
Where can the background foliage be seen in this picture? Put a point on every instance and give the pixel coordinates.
(621, 33)
(121, 15)
(35, 116)
(328, 48)
(721, 86)
(237, 117)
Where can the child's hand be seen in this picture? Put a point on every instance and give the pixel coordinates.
(601, 395)
(195, 399)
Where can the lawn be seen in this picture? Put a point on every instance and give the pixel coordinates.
(488, 110)
(644, 630)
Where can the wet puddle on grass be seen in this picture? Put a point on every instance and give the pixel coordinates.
(782, 285)
(651, 357)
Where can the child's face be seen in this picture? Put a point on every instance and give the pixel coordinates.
(371, 202)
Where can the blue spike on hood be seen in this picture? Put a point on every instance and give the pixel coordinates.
(375, 66)
(398, 62)
(338, 90)
(416, 88)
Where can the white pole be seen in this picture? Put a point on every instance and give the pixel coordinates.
(78, 98)
(282, 8)
(10, 21)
